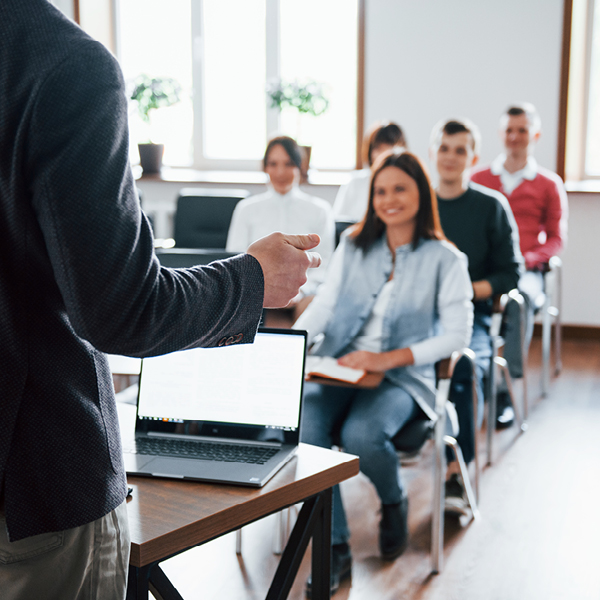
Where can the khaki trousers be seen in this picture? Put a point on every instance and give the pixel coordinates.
(85, 563)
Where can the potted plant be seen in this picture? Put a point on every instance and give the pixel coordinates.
(152, 93)
(307, 98)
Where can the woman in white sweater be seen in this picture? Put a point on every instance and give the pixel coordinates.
(284, 207)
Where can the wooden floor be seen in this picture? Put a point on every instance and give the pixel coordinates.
(538, 537)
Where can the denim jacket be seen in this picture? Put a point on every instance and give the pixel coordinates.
(413, 312)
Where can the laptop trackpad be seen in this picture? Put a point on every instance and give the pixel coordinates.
(135, 463)
(183, 467)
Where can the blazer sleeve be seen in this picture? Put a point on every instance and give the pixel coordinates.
(100, 245)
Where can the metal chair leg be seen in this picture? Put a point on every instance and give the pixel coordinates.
(238, 542)
(556, 267)
(503, 366)
(279, 535)
(464, 474)
(546, 339)
(492, 402)
(439, 474)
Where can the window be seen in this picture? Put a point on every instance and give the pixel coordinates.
(223, 54)
(583, 114)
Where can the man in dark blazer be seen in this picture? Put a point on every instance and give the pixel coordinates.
(78, 277)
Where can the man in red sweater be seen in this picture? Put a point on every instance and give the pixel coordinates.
(538, 201)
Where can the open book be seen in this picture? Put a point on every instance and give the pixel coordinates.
(326, 366)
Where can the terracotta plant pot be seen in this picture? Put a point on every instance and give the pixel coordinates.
(151, 157)
(306, 151)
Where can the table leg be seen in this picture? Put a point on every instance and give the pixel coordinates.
(314, 521)
(137, 582)
(321, 550)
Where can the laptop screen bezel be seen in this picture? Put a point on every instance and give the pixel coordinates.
(223, 430)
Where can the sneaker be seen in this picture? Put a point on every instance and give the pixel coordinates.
(393, 529)
(341, 568)
(455, 501)
(505, 413)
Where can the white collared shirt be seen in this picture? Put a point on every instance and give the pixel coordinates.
(294, 212)
(511, 181)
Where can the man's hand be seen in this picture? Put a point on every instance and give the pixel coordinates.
(284, 262)
(482, 290)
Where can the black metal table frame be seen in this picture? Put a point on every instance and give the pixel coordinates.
(314, 521)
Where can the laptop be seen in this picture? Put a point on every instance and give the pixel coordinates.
(227, 415)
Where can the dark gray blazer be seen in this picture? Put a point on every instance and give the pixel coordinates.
(78, 275)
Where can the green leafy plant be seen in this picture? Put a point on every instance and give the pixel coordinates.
(306, 97)
(151, 93)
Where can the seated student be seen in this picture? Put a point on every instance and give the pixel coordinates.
(479, 221)
(396, 300)
(538, 200)
(352, 199)
(284, 207)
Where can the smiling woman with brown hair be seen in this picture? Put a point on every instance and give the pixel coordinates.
(397, 299)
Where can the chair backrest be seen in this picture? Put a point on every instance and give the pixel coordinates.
(203, 216)
(190, 257)
(340, 226)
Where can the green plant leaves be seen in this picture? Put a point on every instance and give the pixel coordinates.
(308, 97)
(151, 93)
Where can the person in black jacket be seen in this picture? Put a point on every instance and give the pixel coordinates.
(480, 223)
(78, 277)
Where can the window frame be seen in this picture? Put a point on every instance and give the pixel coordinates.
(199, 161)
(576, 62)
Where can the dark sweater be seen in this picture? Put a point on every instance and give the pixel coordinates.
(481, 224)
(78, 275)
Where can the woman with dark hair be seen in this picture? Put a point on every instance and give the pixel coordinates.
(283, 207)
(351, 200)
(396, 300)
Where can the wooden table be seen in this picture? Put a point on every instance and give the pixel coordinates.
(167, 517)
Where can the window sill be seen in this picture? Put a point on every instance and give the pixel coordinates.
(587, 186)
(181, 175)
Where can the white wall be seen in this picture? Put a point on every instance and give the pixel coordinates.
(432, 59)
(65, 5)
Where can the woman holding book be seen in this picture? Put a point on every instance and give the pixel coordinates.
(397, 299)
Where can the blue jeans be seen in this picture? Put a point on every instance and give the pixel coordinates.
(461, 390)
(363, 421)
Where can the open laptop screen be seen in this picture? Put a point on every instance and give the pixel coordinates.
(256, 385)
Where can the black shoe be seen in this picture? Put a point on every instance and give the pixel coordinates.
(455, 497)
(393, 529)
(341, 568)
(505, 413)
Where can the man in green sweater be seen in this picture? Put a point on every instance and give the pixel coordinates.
(480, 223)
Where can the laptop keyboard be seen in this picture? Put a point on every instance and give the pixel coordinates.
(205, 451)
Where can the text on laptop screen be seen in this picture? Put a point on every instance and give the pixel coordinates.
(257, 384)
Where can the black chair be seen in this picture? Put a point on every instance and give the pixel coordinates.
(416, 433)
(190, 257)
(340, 226)
(202, 216)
